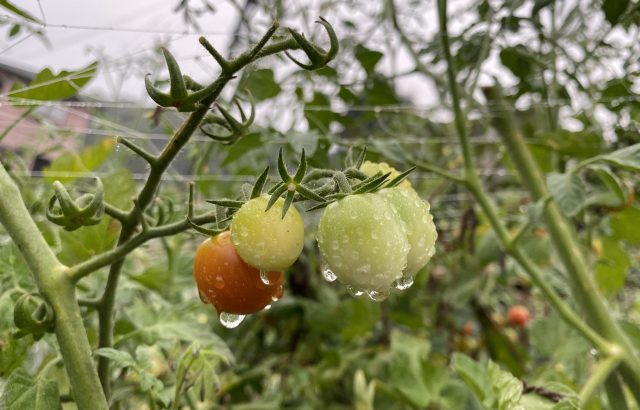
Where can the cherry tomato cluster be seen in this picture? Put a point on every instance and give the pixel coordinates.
(239, 271)
(371, 242)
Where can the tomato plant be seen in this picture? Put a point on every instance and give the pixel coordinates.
(229, 283)
(502, 124)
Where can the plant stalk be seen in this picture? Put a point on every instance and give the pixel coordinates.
(57, 288)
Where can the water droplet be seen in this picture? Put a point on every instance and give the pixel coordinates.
(354, 292)
(264, 277)
(274, 298)
(378, 295)
(218, 282)
(230, 320)
(327, 273)
(267, 307)
(403, 283)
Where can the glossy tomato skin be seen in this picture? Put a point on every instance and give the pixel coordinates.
(264, 239)
(364, 242)
(229, 283)
(418, 221)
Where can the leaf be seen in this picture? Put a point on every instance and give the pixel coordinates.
(261, 84)
(539, 5)
(118, 357)
(613, 9)
(612, 266)
(89, 159)
(22, 392)
(472, 373)
(47, 86)
(612, 182)
(624, 225)
(518, 60)
(577, 144)
(628, 157)
(407, 355)
(367, 58)
(242, 147)
(179, 330)
(506, 388)
(318, 113)
(568, 191)
(497, 389)
(12, 8)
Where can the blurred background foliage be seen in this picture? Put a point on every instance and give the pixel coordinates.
(570, 70)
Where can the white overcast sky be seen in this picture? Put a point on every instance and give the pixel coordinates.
(116, 30)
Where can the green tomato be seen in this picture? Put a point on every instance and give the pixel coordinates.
(371, 168)
(265, 240)
(364, 243)
(421, 231)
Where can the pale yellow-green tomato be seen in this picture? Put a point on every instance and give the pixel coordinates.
(265, 240)
(371, 168)
(363, 242)
(418, 221)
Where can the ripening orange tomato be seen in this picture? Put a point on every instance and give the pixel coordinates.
(518, 316)
(229, 283)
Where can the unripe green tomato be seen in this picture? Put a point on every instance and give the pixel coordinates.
(265, 240)
(364, 242)
(371, 168)
(421, 231)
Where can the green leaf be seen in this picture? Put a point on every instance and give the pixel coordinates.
(576, 144)
(367, 58)
(472, 373)
(612, 266)
(496, 388)
(22, 392)
(318, 113)
(539, 5)
(89, 159)
(612, 183)
(119, 358)
(568, 191)
(624, 225)
(407, 356)
(242, 147)
(613, 9)
(518, 60)
(47, 86)
(628, 157)
(262, 84)
(15, 10)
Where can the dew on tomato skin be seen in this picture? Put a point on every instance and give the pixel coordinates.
(378, 295)
(327, 273)
(403, 283)
(267, 307)
(218, 282)
(230, 320)
(264, 277)
(275, 298)
(354, 292)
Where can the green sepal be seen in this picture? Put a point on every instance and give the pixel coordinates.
(274, 197)
(302, 168)
(260, 182)
(401, 177)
